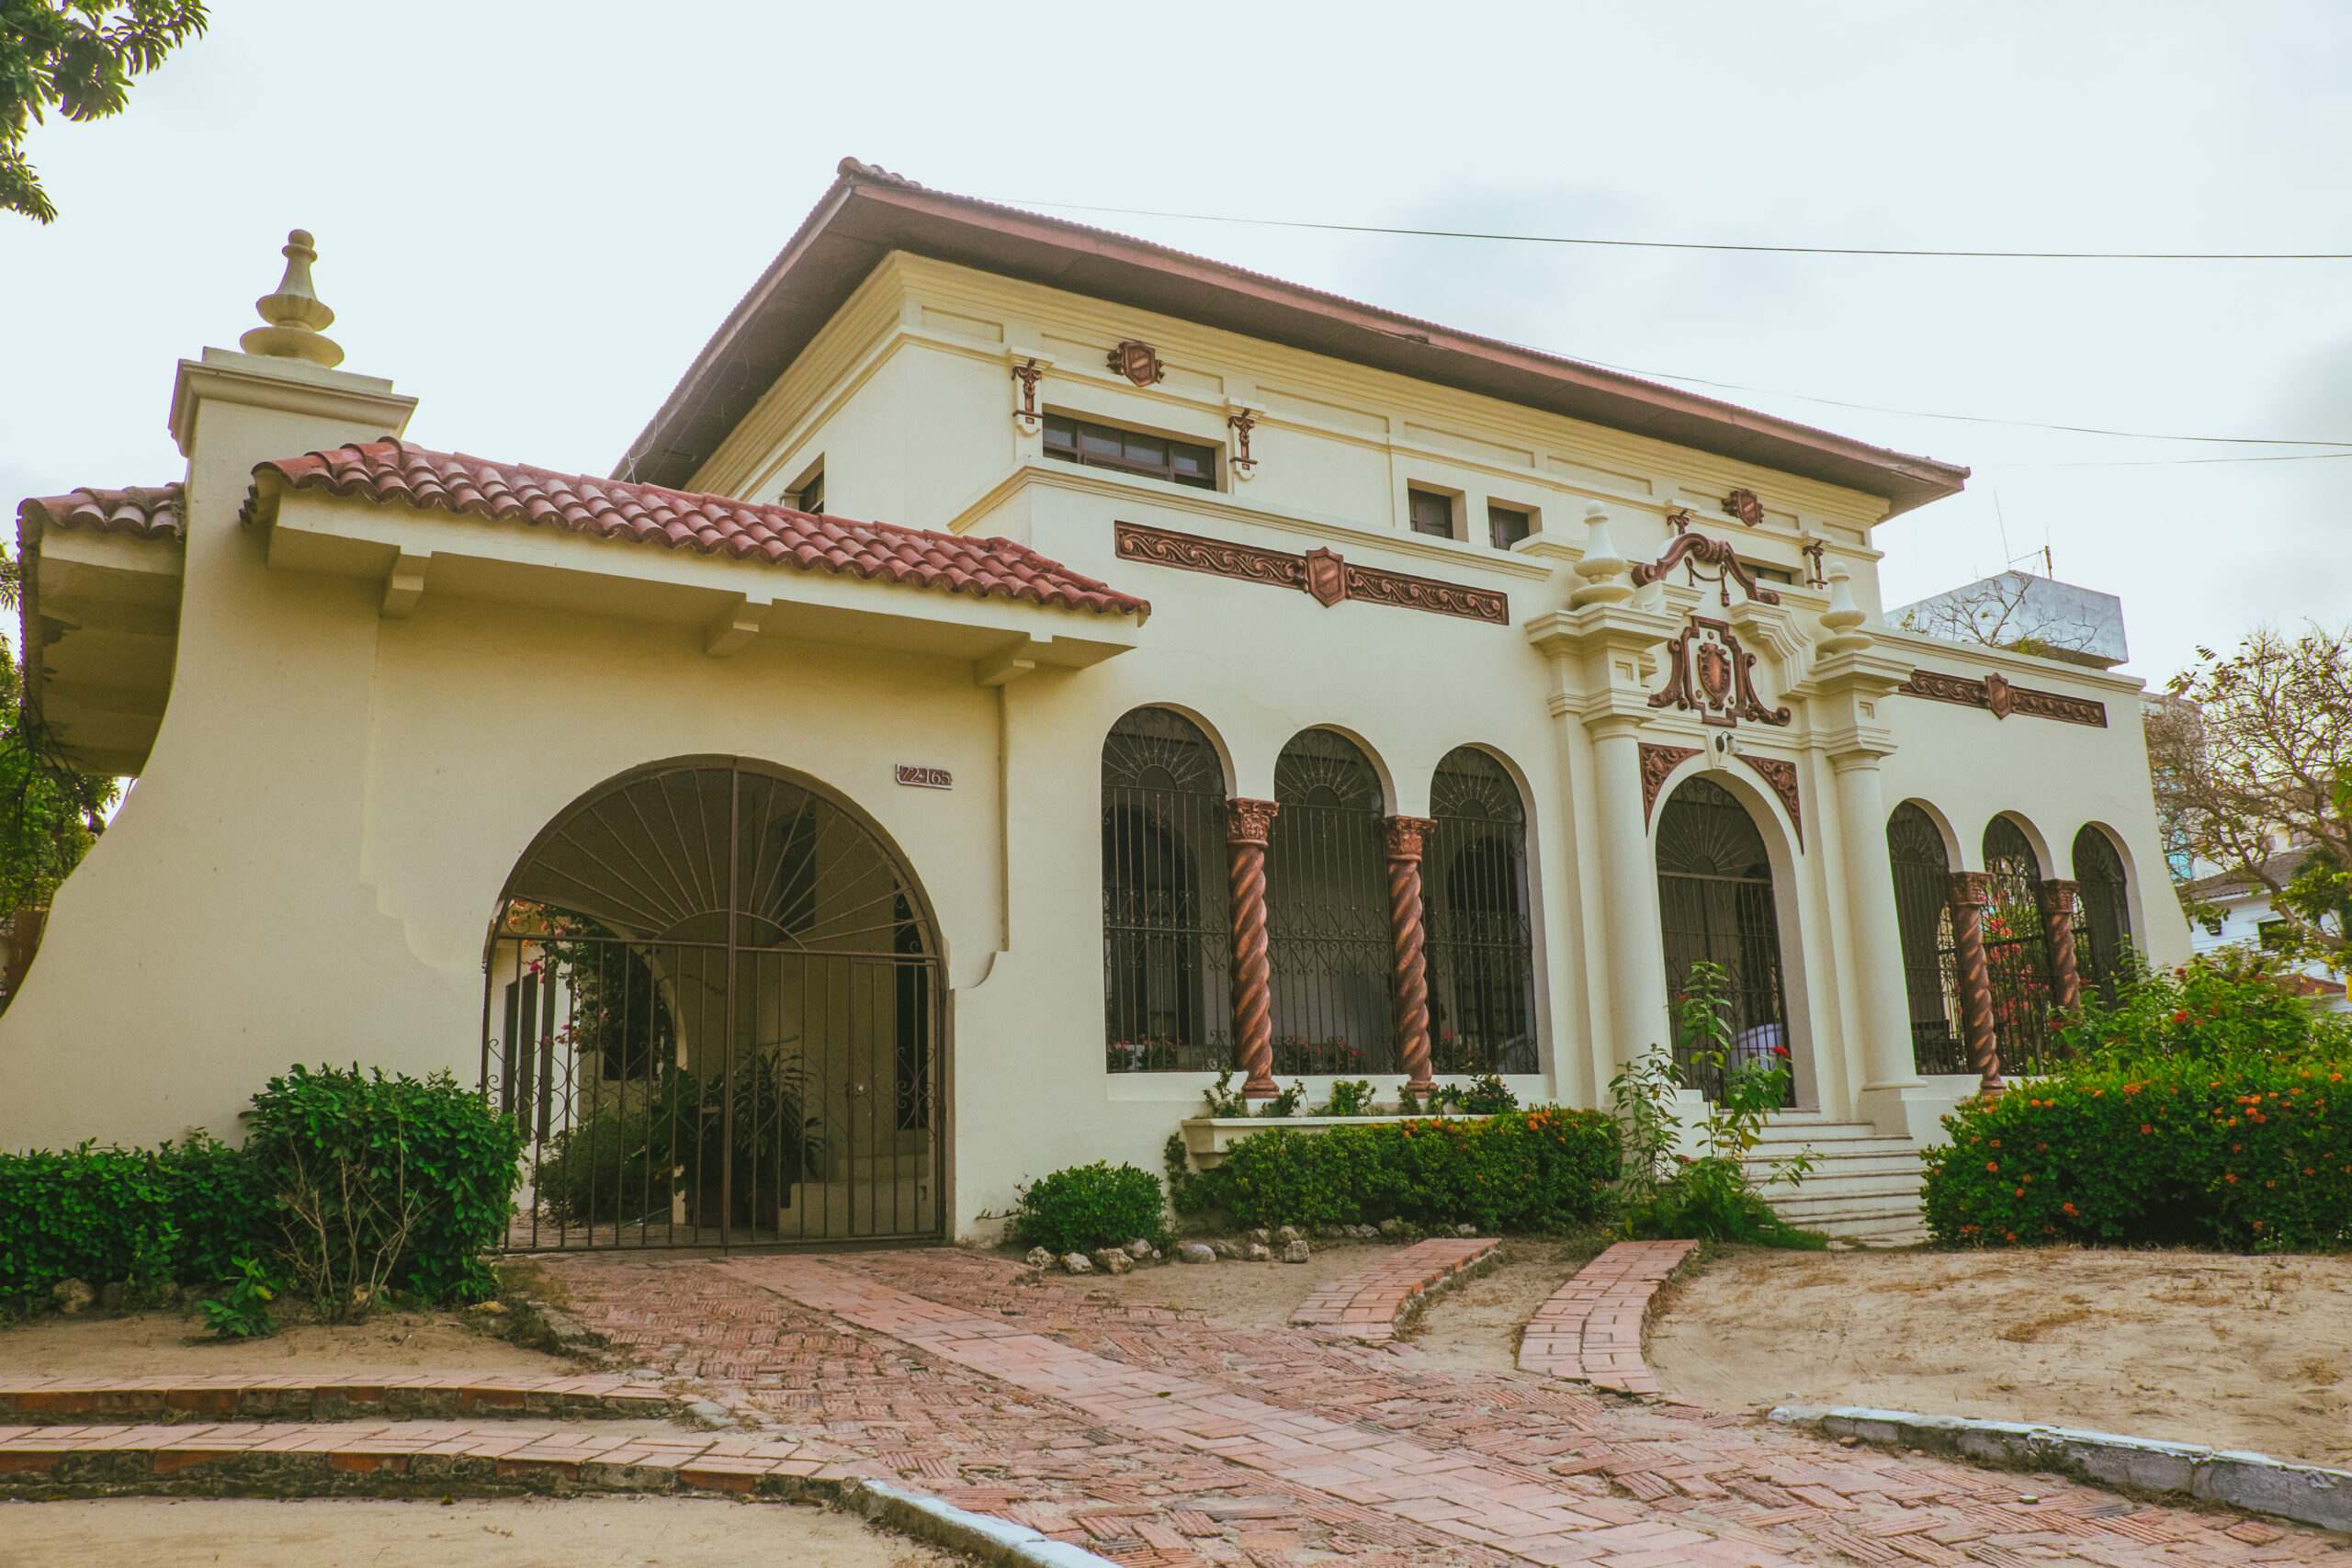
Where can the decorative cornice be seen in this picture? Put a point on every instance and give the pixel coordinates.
(1781, 775)
(1405, 837)
(1249, 821)
(1324, 573)
(1657, 761)
(1998, 696)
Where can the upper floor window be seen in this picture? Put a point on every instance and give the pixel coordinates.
(810, 496)
(1430, 512)
(1508, 525)
(1105, 446)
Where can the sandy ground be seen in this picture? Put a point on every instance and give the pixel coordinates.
(99, 1344)
(1262, 1295)
(153, 1532)
(1475, 1324)
(2189, 1347)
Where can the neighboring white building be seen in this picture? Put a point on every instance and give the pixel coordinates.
(2016, 609)
(2239, 915)
(1242, 675)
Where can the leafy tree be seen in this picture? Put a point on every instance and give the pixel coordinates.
(2254, 757)
(51, 812)
(78, 57)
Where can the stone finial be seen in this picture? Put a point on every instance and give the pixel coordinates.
(294, 312)
(1844, 618)
(1602, 569)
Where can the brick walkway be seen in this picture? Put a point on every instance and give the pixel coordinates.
(1369, 1304)
(1591, 1328)
(51, 1400)
(1153, 1436)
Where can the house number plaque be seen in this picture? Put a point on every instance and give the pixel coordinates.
(925, 778)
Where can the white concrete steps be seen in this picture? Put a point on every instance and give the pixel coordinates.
(1864, 1185)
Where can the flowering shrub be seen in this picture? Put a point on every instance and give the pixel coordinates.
(2218, 1007)
(2253, 1154)
(1530, 1171)
(1293, 1056)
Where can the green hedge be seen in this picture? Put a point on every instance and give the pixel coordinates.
(1527, 1170)
(177, 1213)
(2251, 1154)
(1090, 1206)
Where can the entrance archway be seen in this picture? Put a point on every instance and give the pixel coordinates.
(713, 1000)
(1715, 903)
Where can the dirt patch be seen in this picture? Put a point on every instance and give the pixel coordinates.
(499, 1533)
(2187, 1347)
(104, 1347)
(1475, 1326)
(1258, 1295)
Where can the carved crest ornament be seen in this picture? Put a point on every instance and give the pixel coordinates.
(2000, 696)
(1746, 505)
(1707, 672)
(1323, 573)
(1139, 363)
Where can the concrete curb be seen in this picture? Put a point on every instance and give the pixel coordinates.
(2305, 1493)
(983, 1536)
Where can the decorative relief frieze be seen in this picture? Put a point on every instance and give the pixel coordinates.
(1709, 673)
(1657, 761)
(1781, 775)
(1996, 695)
(1322, 572)
(1138, 362)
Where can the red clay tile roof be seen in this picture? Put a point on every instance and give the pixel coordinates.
(710, 524)
(150, 512)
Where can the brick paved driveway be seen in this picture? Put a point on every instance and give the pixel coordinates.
(1153, 1436)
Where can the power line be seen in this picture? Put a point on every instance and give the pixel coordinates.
(1704, 245)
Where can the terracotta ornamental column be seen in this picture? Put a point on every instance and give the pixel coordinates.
(1247, 823)
(2058, 934)
(1971, 891)
(1404, 837)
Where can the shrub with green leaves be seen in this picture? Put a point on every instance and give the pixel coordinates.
(176, 1214)
(2226, 1006)
(1541, 1169)
(1090, 1206)
(384, 1183)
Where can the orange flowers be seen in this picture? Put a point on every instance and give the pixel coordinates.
(2069, 1208)
(1993, 1165)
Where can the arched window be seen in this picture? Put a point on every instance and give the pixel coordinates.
(1480, 942)
(1327, 939)
(714, 1009)
(1166, 943)
(2102, 926)
(1922, 915)
(1714, 887)
(2014, 949)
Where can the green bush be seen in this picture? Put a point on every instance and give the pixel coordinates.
(1090, 1206)
(2253, 1154)
(2219, 1007)
(384, 1183)
(1532, 1171)
(177, 1213)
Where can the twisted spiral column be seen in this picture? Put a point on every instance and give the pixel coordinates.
(1971, 891)
(2058, 934)
(1404, 838)
(1247, 825)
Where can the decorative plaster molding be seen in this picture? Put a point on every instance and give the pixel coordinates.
(1404, 838)
(1998, 696)
(1781, 775)
(1322, 572)
(1695, 550)
(1249, 821)
(1708, 671)
(1136, 361)
(1657, 761)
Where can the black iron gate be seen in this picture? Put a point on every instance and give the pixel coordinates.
(1923, 917)
(1714, 888)
(1166, 939)
(2015, 951)
(1328, 937)
(1481, 943)
(712, 997)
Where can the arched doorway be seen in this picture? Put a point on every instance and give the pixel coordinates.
(1714, 888)
(1167, 941)
(1923, 915)
(1480, 947)
(2103, 925)
(1328, 941)
(713, 998)
(2015, 952)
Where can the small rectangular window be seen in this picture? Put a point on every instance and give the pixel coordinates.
(810, 496)
(1130, 452)
(1508, 525)
(1431, 512)
(1769, 573)
(2273, 934)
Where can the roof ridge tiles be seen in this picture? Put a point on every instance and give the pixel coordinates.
(463, 485)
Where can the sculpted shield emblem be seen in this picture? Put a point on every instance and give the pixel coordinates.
(1998, 696)
(1326, 576)
(1139, 363)
(1746, 505)
(1714, 673)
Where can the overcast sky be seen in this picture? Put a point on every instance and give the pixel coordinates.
(531, 217)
